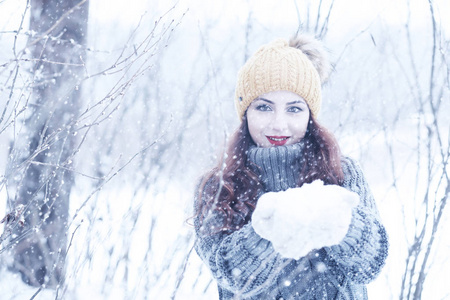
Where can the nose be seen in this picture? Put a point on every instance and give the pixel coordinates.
(279, 122)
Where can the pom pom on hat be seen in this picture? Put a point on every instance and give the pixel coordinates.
(299, 66)
(315, 52)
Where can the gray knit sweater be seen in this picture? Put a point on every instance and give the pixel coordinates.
(246, 266)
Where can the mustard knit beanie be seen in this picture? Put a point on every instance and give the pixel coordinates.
(299, 66)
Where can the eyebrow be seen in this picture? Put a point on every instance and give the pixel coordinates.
(264, 99)
(301, 101)
(295, 102)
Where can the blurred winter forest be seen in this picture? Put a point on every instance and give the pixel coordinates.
(111, 110)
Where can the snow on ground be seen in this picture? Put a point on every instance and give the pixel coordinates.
(13, 288)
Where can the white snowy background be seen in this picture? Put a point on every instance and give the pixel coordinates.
(132, 239)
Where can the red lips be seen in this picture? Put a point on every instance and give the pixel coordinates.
(277, 140)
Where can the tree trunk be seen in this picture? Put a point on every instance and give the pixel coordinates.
(58, 52)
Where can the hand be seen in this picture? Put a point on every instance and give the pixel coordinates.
(299, 220)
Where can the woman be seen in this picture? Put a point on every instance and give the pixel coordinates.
(278, 146)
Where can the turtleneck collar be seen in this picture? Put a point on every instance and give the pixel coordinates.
(277, 167)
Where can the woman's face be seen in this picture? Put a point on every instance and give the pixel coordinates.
(277, 118)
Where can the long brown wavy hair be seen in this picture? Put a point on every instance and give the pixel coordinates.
(228, 193)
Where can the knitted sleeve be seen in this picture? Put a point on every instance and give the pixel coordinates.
(364, 249)
(242, 262)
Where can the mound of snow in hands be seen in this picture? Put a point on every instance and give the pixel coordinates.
(299, 220)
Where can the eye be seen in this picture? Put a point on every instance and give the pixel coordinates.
(263, 107)
(294, 109)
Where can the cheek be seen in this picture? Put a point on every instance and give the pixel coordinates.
(255, 132)
(256, 124)
(299, 128)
